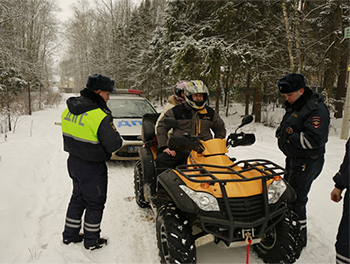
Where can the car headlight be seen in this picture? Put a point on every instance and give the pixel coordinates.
(204, 201)
(275, 190)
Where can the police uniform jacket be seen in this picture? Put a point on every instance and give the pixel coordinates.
(87, 127)
(303, 131)
(342, 177)
(198, 122)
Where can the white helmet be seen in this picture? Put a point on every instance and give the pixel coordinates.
(178, 88)
(194, 87)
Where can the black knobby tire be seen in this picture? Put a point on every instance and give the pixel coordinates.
(138, 186)
(282, 243)
(174, 236)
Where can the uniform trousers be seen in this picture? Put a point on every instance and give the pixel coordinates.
(300, 173)
(89, 196)
(342, 245)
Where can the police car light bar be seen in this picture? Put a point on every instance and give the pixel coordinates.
(127, 91)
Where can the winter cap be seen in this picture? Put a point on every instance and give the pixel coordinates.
(291, 83)
(100, 82)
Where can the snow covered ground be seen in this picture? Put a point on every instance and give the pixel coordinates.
(35, 190)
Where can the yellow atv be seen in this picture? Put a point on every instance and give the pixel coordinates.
(214, 195)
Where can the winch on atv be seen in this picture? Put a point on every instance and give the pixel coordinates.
(212, 194)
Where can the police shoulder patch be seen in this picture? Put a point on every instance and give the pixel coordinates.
(113, 127)
(316, 121)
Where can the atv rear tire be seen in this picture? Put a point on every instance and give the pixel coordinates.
(282, 243)
(174, 236)
(138, 185)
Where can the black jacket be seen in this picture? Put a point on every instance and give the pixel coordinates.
(108, 137)
(342, 177)
(199, 122)
(303, 131)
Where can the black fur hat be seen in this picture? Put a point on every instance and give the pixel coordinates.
(291, 83)
(100, 82)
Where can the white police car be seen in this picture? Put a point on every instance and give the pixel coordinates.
(128, 107)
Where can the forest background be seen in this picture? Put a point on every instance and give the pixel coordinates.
(239, 48)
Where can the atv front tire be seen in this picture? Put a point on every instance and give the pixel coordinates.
(282, 243)
(174, 236)
(138, 186)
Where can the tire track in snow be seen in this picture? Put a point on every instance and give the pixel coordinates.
(127, 225)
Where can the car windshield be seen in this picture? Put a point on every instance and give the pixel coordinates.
(129, 108)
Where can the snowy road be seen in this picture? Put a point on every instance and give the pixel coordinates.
(35, 190)
(136, 226)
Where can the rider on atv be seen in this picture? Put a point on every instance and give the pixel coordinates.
(177, 98)
(194, 117)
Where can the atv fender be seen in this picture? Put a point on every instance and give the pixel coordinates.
(170, 182)
(148, 171)
(290, 194)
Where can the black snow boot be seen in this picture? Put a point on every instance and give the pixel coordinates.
(101, 242)
(78, 239)
(303, 237)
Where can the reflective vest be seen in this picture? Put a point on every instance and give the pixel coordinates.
(82, 127)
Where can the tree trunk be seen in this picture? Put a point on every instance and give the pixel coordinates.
(29, 101)
(247, 95)
(217, 81)
(299, 52)
(227, 97)
(333, 52)
(289, 36)
(257, 101)
(339, 104)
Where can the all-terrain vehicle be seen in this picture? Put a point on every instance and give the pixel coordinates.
(236, 202)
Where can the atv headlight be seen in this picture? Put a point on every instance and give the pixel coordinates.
(275, 190)
(204, 201)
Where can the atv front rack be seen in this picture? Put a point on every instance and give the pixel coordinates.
(266, 168)
(256, 216)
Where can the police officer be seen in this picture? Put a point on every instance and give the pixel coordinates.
(89, 137)
(302, 136)
(341, 180)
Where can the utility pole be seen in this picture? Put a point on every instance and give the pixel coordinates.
(345, 124)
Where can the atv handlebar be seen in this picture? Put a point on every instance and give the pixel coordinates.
(192, 142)
(185, 143)
(240, 139)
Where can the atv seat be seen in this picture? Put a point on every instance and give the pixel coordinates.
(148, 154)
(148, 128)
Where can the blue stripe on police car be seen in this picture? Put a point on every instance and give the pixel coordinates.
(126, 123)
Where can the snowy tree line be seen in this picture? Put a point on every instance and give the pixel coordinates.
(28, 41)
(239, 48)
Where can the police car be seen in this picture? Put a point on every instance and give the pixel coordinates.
(128, 107)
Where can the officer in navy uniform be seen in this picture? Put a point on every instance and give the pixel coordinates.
(89, 137)
(302, 136)
(341, 180)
